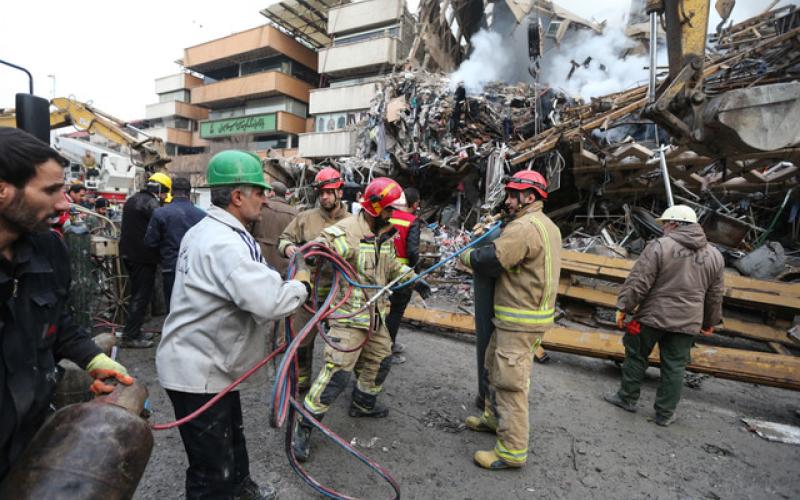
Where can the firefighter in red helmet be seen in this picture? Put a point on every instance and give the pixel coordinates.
(366, 241)
(306, 226)
(525, 260)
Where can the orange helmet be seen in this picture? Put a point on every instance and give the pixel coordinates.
(328, 178)
(527, 179)
(381, 193)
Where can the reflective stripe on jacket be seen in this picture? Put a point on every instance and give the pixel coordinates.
(374, 260)
(529, 249)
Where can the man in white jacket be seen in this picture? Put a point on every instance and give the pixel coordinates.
(224, 296)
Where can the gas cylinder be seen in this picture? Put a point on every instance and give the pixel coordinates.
(93, 451)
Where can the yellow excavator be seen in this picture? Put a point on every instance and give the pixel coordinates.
(738, 121)
(146, 151)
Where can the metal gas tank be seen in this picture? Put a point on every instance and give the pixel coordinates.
(89, 451)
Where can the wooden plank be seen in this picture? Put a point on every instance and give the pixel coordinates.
(774, 370)
(772, 293)
(735, 327)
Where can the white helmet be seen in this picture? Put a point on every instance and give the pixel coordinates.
(678, 213)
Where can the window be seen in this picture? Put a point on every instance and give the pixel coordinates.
(177, 95)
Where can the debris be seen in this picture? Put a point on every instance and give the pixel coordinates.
(443, 421)
(713, 449)
(366, 444)
(772, 431)
(693, 380)
(766, 262)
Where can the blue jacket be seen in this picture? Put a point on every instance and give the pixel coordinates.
(167, 227)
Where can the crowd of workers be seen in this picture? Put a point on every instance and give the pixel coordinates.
(225, 279)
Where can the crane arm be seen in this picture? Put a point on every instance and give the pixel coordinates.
(65, 112)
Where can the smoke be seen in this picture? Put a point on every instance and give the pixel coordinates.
(597, 63)
(502, 55)
(488, 62)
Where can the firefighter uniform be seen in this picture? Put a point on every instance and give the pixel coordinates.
(525, 259)
(306, 226)
(374, 259)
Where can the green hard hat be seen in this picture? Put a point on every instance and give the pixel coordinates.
(232, 167)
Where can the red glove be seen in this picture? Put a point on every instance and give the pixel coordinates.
(633, 327)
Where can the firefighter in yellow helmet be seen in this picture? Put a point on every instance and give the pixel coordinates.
(525, 260)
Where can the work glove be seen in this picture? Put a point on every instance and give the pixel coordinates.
(101, 367)
(620, 318)
(423, 289)
(633, 327)
(707, 332)
(465, 257)
(302, 273)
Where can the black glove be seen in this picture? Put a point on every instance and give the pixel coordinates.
(423, 289)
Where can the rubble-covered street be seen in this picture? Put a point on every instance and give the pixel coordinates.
(581, 447)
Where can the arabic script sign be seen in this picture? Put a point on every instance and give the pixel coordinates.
(254, 124)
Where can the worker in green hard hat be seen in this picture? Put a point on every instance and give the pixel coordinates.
(224, 296)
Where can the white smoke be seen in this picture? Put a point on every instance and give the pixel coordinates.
(502, 55)
(488, 62)
(607, 71)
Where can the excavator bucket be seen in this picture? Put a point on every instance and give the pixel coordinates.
(755, 119)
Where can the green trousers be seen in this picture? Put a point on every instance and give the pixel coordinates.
(675, 353)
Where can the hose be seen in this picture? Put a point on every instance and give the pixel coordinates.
(285, 405)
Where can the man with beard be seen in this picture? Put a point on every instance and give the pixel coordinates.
(525, 260)
(36, 327)
(366, 242)
(306, 226)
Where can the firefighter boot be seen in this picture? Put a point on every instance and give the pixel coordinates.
(490, 460)
(366, 405)
(485, 423)
(301, 445)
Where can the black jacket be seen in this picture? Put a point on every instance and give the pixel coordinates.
(135, 217)
(412, 243)
(167, 227)
(37, 331)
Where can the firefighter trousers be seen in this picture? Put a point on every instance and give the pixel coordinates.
(509, 359)
(371, 364)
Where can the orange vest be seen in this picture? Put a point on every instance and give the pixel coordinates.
(402, 222)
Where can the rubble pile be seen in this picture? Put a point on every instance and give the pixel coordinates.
(602, 158)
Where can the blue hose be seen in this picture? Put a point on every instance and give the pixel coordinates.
(433, 267)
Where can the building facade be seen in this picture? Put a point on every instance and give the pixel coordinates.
(369, 38)
(250, 88)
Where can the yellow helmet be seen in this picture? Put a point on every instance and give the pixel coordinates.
(162, 179)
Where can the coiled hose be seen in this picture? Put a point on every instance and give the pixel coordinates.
(285, 403)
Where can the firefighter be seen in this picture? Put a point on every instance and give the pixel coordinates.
(525, 260)
(306, 226)
(406, 244)
(366, 242)
(674, 293)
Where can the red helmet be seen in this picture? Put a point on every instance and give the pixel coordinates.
(528, 179)
(381, 193)
(328, 178)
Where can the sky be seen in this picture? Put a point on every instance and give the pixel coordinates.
(109, 53)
